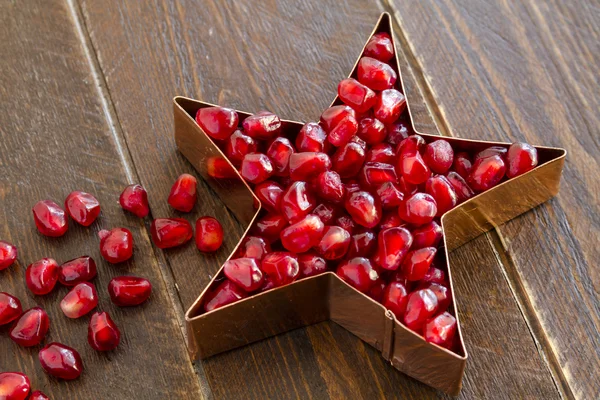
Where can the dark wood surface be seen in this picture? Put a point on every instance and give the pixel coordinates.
(87, 91)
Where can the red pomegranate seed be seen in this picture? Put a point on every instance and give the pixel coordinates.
(395, 298)
(78, 270)
(422, 305)
(440, 330)
(334, 243)
(389, 195)
(380, 46)
(183, 193)
(392, 246)
(269, 194)
(103, 333)
(398, 131)
(209, 234)
(461, 188)
(375, 74)
(311, 264)
(135, 200)
(170, 232)
(256, 168)
(364, 208)
(41, 276)
(10, 308)
(374, 174)
(348, 159)
(330, 187)
(226, 293)
(312, 137)
(487, 172)
(346, 222)
(244, 272)
(270, 226)
(61, 361)
(303, 235)
(356, 95)
(8, 254)
(267, 284)
(521, 157)
(381, 152)
(128, 291)
(412, 167)
(306, 166)
(238, 145)
(80, 300)
(442, 293)
(391, 220)
(340, 124)
(371, 130)
(376, 291)
(37, 395)
(116, 245)
(491, 151)
(442, 192)
(14, 386)
(351, 186)
(439, 156)
(326, 212)
(462, 164)
(434, 275)
(417, 263)
(407, 188)
(390, 104)
(218, 122)
(297, 202)
(82, 207)
(358, 273)
(362, 244)
(281, 267)
(279, 152)
(428, 235)
(31, 327)
(219, 168)
(263, 125)
(418, 209)
(49, 218)
(253, 247)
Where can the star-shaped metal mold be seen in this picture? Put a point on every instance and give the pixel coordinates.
(326, 297)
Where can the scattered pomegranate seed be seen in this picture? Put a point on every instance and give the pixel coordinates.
(126, 291)
(491, 151)
(389, 195)
(61, 361)
(462, 164)
(371, 130)
(330, 187)
(80, 300)
(375, 74)
(82, 207)
(41, 276)
(116, 245)
(302, 235)
(14, 386)
(392, 246)
(417, 263)
(244, 272)
(422, 305)
(312, 137)
(306, 166)
(38, 395)
(281, 267)
(381, 152)
(340, 124)
(311, 264)
(135, 200)
(31, 327)
(82, 269)
(209, 234)
(218, 122)
(442, 192)
(263, 125)
(170, 232)
(348, 159)
(253, 247)
(297, 202)
(520, 158)
(439, 156)
(356, 95)
(270, 227)
(395, 298)
(358, 273)
(10, 308)
(486, 173)
(390, 104)
(440, 330)
(256, 168)
(428, 235)
(362, 244)
(418, 209)
(8, 254)
(238, 145)
(183, 193)
(217, 167)
(49, 218)
(374, 174)
(364, 209)
(227, 292)
(380, 46)
(269, 194)
(103, 333)
(334, 243)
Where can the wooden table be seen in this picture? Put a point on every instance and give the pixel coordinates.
(86, 92)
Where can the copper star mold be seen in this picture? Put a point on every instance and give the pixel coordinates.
(326, 297)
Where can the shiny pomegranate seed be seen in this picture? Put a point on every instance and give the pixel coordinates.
(281, 267)
(263, 125)
(375, 74)
(219, 168)
(374, 174)
(346, 222)
(389, 195)
(418, 209)
(303, 235)
(14, 386)
(371, 130)
(362, 244)
(31, 327)
(422, 305)
(417, 263)
(521, 157)
(376, 291)
(128, 291)
(348, 159)
(442, 192)
(41, 276)
(407, 188)
(218, 122)
(312, 137)
(442, 293)
(183, 193)
(8, 254)
(461, 188)
(82, 207)
(103, 333)
(440, 330)
(352, 186)
(334, 243)
(311, 264)
(395, 298)
(10, 308)
(279, 152)
(356, 95)
(381, 152)
(244, 272)
(392, 246)
(297, 202)
(439, 156)
(391, 220)
(270, 227)
(49, 218)
(330, 187)
(380, 46)
(80, 300)
(412, 167)
(253, 247)
(491, 151)
(462, 164)
(37, 395)
(61, 361)
(226, 293)
(135, 200)
(170, 232)
(358, 273)
(398, 131)
(209, 234)
(434, 275)
(78, 270)
(340, 124)
(269, 194)
(428, 235)
(326, 212)
(116, 245)
(487, 172)
(390, 104)
(364, 208)
(306, 166)
(256, 168)
(238, 145)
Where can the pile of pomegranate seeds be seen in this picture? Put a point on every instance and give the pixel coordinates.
(358, 193)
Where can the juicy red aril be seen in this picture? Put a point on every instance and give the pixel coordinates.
(311, 264)
(14, 386)
(218, 122)
(348, 159)
(218, 168)
(442, 293)
(281, 267)
(362, 244)
(49, 218)
(371, 130)
(442, 192)
(428, 235)
(407, 188)
(346, 222)
(374, 174)
(487, 172)
(418, 209)
(351, 187)
(312, 137)
(238, 145)
(375, 74)
(326, 212)
(376, 291)
(82, 207)
(395, 298)
(61, 361)
(80, 300)
(491, 151)
(279, 152)
(183, 193)
(253, 247)
(461, 188)
(412, 167)
(116, 245)
(269, 194)
(421, 305)
(358, 273)
(462, 164)
(37, 395)
(398, 131)
(440, 330)
(390, 104)
(8, 254)
(340, 124)
(520, 158)
(392, 246)
(364, 208)
(135, 200)
(226, 293)
(78, 270)
(270, 226)
(170, 232)
(31, 327)
(263, 125)
(417, 263)
(306, 166)
(381, 152)
(389, 195)
(41, 276)
(390, 220)
(10, 308)
(356, 95)
(380, 46)
(334, 243)
(297, 202)
(244, 272)
(209, 234)
(256, 168)
(302, 235)
(128, 291)
(434, 275)
(103, 333)
(330, 187)
(439, 156)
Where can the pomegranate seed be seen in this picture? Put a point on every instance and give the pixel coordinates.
(381, 152)
(392, 246)
(82, 207)
(281, 267)
(170, 232)
(135, 200)
(103, 333)
(116, 245)
(31, 327)
(371, 130)
(417, 263)
(263, 125)
(439, 156)
(61, 361)
(399, 131)
(491, 151)
(41, 276)
(442, 192)
(334, 243)
(209, 234)
(364, 208)
(376, 291)
(358, 273)
(374, 174)
(10, 308)
(303, 235)
(49, 218)
(8, 254)
(244, 272)
(395, 298)
(238, 145)
(486, 173)
(362, 244)
(462, 164)
(389, 195)
(267, 284)
(418, 209)
(279, 153)
(380, 46)
(128, 291)
(78, 270)
(521, 157)
(421, 305)
(461, 188)
(226, 293)
(219, 168)
(306, 166)
(297, 202)
(412, 167)
(362, 143)
(407, 188)
(434, 275)
(183, 193)
(348, 159)
(442, 293)
(253, 247)
(391, 220)
(345, 222)
(256, 168)
(270, 227)
(37, 395)
(14, 386)
(390, 104)
(330, 187)
(340, 124)
(375, 74)
(311, 264)
(356, 95)
(269, 194)
(312, 137)
(440, 330)
(428, 235)
(218, 122)
(326, 212)
(80, 300)
(351, 186)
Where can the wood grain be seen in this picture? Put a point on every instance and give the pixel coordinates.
(55, 139)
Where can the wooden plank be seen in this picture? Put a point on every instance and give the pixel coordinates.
(527, 71)
(55, 139)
